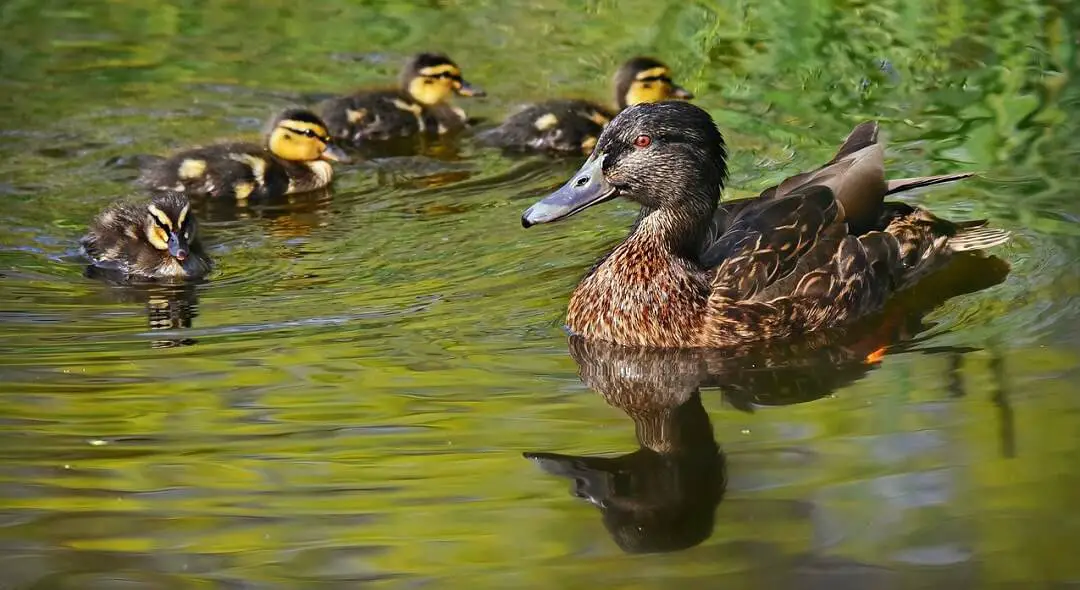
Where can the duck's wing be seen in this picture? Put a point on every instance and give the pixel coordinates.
(773, 241)
(762, 249)
(768, 246)
(856, 176)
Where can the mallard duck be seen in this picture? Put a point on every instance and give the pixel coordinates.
(154, 240)
(420, 105)
(819, 250)
(573, 125)
(295, 159)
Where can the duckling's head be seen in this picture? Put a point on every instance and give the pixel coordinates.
(664, 156)
(644, 79)
(169, 225)
(431, 78)
(300, 135)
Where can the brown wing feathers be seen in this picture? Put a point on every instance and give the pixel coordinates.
(822, 247)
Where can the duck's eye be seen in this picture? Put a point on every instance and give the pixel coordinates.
(428, 81)
(642, 141)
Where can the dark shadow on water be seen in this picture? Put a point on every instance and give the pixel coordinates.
(663, 496)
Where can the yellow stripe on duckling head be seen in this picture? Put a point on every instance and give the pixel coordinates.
(657, 72)
(157, 236)
(160, 216)
(183, 215)
(303, 126)
(440, 70)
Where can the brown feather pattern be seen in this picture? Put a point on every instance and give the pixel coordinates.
(789, 262)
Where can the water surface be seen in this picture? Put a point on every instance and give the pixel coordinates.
(374, 385)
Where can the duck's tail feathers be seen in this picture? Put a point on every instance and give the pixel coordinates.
(977, 237)
(900, 185)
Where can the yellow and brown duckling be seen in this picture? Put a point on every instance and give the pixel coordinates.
(573, 125)
(149, 240)
(419, 106)
(296, 158)
(819, 250)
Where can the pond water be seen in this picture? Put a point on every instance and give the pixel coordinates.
(374, 385)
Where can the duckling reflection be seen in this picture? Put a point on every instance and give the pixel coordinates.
(663, 497)
(169, 307)
(284, 216)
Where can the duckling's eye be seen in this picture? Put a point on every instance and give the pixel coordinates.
(647, 85)
(428, 81)
(642, 141)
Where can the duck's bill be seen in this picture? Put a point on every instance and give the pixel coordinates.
(587, 188)
(467, 89)
(334, 153)
(681, 93)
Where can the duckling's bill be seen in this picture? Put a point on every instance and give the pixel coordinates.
(336, 154)
(466, 89)
(681, 93)
(588, 187)
(178, 247)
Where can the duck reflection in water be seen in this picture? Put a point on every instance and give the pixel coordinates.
(663, 497)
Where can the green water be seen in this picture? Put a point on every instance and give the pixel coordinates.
(371, 385)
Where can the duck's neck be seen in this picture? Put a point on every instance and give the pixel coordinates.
(678, 233)
(650, 291)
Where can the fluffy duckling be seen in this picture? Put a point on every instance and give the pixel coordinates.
(420, 105)
(295, 159)
(573, 125)
(155, 240)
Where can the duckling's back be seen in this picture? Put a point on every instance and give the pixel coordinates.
(112, 235)
(231, 171)
(386, 114)
(565, 126)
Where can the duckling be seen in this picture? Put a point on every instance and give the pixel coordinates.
(573, 125)
(421, 105)
(155, 240)
(819, 250)
(295, 159)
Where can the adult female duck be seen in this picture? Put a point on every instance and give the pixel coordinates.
(819, 250)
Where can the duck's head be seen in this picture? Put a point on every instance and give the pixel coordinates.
(300, 135)
(431, 78)
(170, 226)
(666, 156)
(644, 79)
